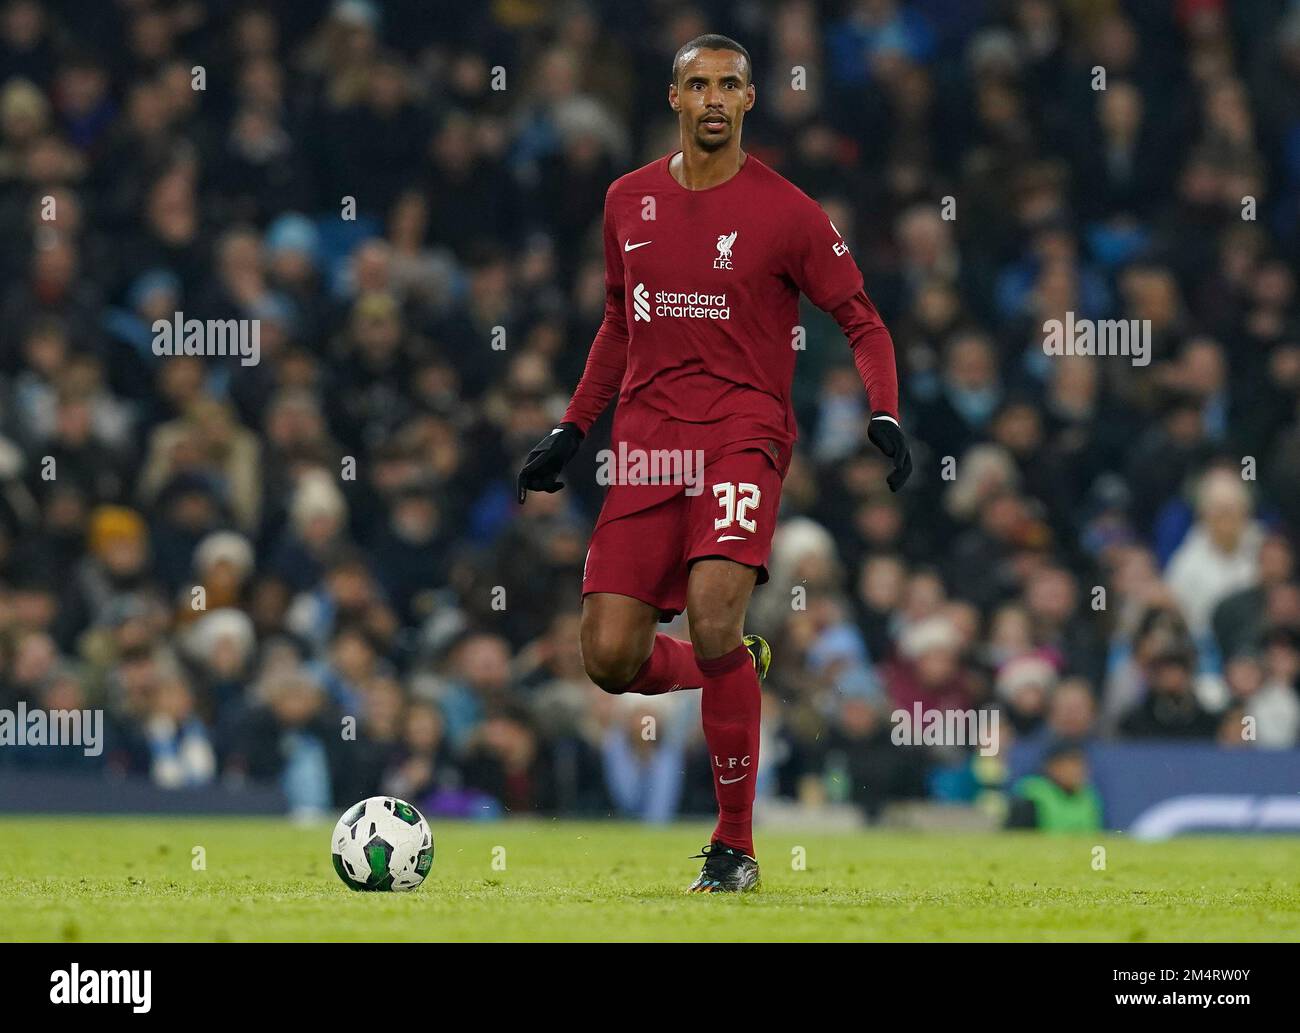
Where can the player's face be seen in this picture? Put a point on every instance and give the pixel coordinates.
(711, 97)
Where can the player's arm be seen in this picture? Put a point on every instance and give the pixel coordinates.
(873, 355)
(825, 271)
(606, 364)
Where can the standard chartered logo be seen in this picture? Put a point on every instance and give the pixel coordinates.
(641, 303)
(679, 305)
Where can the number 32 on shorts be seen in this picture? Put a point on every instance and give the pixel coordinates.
(736, 501)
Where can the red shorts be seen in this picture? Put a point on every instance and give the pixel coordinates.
(645, 541)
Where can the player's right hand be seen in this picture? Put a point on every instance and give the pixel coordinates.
(547, 459)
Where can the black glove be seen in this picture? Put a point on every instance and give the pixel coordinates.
(547, 459)
(887, 435)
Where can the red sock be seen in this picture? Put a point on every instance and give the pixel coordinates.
(730, 708)
(671, 666)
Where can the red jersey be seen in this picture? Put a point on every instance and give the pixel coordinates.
(702, 310)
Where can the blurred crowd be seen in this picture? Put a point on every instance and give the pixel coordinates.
(313, 572)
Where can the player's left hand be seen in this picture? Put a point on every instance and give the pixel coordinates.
(884, 432)
(547, 459)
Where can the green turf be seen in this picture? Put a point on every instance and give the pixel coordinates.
(95, 879)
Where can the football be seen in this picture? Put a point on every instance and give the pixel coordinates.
(382, 844)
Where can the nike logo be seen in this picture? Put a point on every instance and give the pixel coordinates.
(728, 781)
(629, 246)
(732, 538)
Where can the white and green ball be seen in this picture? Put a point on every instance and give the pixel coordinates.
(382, 844)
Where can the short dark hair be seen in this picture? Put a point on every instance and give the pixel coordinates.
(712, 41)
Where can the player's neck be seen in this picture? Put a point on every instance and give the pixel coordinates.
(697, 169)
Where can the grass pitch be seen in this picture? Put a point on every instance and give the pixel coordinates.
(115, 879)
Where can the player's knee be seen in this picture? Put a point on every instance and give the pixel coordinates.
(714, 636)
(609, 665)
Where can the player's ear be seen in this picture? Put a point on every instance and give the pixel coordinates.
(749, 96)
(672, 97)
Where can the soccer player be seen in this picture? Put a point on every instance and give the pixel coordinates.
(706, 251)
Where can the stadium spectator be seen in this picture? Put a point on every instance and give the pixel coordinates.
(1170, 708)
(643, 751)
(1060, 798)
(1220, 553)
